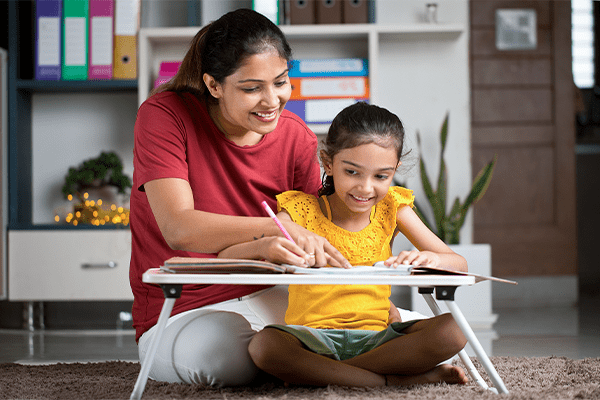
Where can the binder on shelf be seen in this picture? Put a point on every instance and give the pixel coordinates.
(329, 87)
(302, 12)
(168, 69)
(328, 67)
(328, 11)
(75, 39)
(101, 39)
(355, 11)
(319, 111)
(48, 21)
(126, 29)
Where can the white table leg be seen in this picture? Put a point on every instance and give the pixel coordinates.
(474, 342)
(463, 353)
(142, 378)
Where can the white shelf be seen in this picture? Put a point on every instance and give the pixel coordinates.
(169, 44)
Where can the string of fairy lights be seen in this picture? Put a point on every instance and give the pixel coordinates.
(92, 212)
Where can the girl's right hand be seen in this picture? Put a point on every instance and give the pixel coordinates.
(315, 246)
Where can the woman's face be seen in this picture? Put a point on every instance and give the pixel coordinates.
(252, 98)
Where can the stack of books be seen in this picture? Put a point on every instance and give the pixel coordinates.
(321, 88)
(86, 39)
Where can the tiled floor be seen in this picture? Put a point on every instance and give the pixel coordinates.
(573, 332)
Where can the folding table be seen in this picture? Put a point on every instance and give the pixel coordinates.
(444, 286)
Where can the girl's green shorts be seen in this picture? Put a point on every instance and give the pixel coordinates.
(342, 344)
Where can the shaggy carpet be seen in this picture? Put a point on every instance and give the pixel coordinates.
(526, 378)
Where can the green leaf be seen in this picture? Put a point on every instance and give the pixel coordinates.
(444, 133)
(481, 183)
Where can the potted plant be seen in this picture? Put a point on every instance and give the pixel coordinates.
(476, 302)
(447, 224)
(104, 170)
(96, 174)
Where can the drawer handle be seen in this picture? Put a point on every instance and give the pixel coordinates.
(110, 264)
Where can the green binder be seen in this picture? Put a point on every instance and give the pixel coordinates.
(75, 39)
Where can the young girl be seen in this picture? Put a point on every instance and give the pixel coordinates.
(352, 335)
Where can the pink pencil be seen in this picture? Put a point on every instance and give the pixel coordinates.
(277, 221)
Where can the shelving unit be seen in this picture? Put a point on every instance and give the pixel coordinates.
(307, 41)
(52, 251)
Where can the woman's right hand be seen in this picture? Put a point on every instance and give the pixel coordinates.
(314, 245)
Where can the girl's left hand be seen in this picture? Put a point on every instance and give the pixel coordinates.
(414, 257)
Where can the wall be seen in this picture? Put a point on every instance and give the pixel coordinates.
(421, 97)
(522, 111)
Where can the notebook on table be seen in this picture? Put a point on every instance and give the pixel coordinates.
(191, 265)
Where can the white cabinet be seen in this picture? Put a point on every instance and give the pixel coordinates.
(56, 265)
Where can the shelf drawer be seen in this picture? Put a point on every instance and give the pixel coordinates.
(54, 265)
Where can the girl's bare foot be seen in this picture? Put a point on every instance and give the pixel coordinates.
(443, 373)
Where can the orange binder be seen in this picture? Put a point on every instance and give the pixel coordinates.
(126, 29)
(125, 61)
(330, 87)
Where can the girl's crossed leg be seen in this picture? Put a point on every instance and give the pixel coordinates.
(413, 358)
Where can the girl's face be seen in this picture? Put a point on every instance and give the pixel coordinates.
(252, 98)
(362, 176)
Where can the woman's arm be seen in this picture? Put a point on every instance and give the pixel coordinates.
(431, 249)
(185, 228)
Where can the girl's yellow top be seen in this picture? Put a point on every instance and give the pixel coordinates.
(345, 306)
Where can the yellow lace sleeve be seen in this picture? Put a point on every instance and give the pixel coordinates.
(298, 205)
(402, 196)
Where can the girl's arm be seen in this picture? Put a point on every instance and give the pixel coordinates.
(431, 251)
(185, 228)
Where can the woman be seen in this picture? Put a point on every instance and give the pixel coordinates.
(210, 146)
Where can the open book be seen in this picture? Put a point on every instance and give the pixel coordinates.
(189, 265)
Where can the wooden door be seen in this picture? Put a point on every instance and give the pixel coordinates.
(523, 111)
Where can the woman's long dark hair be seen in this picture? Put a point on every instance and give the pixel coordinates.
(359, 124)
(222, 46)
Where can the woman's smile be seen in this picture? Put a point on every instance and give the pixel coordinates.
(267, 116)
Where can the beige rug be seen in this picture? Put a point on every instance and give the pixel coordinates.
(544, 378)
